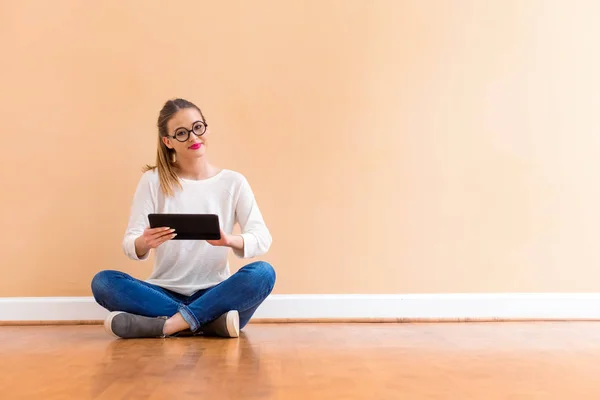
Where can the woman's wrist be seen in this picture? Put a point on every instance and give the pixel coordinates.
(235, 242)
(140, 247)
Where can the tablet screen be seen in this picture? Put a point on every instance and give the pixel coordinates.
(189, 226)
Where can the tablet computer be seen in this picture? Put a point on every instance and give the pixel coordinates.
(189, 226)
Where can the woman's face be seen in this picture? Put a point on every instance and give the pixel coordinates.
(187, 134)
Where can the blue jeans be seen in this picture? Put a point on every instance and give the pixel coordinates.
(243, 291)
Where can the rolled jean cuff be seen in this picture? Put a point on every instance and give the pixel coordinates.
(190, 318)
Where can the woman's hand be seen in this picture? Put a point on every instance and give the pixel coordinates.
(152, 238)
(224, 241)
(233, 241)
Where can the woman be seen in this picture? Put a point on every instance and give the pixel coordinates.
(190, 290)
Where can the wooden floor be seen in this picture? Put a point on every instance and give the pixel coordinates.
(303, 361)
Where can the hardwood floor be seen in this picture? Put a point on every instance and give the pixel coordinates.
(298, 361)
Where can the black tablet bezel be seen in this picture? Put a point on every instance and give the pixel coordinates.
(188, 226)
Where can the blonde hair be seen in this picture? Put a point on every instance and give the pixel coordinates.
(165, 157)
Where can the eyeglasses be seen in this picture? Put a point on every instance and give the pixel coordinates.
(183, 134)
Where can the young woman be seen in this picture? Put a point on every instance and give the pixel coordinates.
(190, 290)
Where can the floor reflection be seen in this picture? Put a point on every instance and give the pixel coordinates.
(144, 368)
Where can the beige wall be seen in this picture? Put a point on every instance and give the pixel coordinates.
(394, 146)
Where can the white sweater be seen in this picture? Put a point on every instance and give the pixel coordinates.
(186, 266)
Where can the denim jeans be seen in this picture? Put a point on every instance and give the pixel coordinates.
(243, 291)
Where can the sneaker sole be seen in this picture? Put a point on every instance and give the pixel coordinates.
(108, 323)
(233, 324)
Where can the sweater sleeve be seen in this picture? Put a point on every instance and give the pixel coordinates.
(141, 206)
(256, 235)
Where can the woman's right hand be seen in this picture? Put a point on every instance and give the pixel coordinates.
(152, 238)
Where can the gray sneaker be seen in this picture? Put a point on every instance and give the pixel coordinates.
(227, 325)
(128, 326)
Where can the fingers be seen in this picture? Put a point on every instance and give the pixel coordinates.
(153, 231)
(163, 233)
(157, 236)
(158, 232)
(164, 238)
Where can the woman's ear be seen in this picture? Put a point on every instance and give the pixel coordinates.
(167, 142)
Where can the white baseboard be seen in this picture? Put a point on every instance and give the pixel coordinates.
(508, 306)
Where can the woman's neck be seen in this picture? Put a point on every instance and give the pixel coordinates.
(195, 169)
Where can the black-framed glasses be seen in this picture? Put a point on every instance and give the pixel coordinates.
(182, 134)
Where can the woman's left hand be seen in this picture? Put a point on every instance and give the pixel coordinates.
(224, 241)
